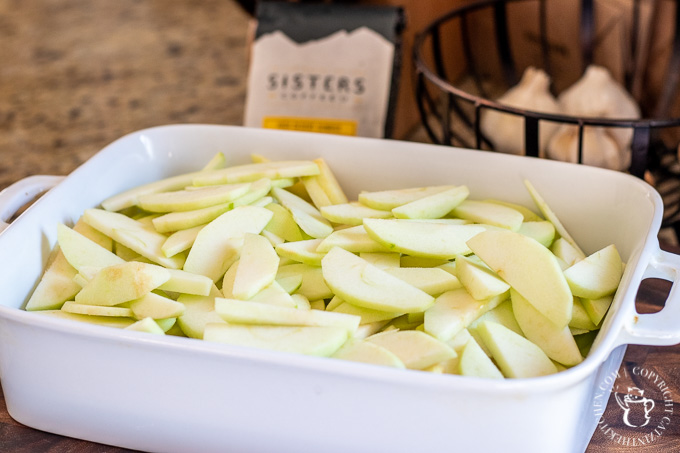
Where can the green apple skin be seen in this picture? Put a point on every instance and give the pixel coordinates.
(530, 268)
(516, 356)
(557, 343)
(597, 275)
(357, 281)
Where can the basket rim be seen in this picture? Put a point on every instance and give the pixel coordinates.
(421, 68)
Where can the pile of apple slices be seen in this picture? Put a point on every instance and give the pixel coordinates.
(273, 255)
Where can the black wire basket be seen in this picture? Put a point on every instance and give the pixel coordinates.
(468, 57)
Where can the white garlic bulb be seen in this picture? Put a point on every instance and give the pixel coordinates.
(506, 131)
(596, 94)
(599, 148)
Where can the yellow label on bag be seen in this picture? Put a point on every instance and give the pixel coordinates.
(325, 126)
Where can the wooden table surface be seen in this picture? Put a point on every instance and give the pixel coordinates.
(76, 74)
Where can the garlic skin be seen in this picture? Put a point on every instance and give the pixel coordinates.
(506, 131)
(599, 148)
(596, 94)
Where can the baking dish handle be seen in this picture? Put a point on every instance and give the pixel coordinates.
(15, 196)
(661, 328)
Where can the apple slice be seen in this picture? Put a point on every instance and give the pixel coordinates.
(302, 251)
(257, 267)
(550, 215)
(597, 308)
(219, 160)
(183, 220)
(188, 200)
(416, 350)
(474, 362)
(542, 231)
(80, 251)
(557, 342)
(430, 240)
(282, 223)
(354, 239)
(180, 241)
(155, 306)
(249, 312)
(387, 200)
(529, 268)
(96, 310)
(308, 218)
(56, 285)
(316, 341)
(218, 244)
(453, 311)
(198, 312)
(187, 283)
(106, 321)
(597, 275)
(129, 198)
(360, 283)
(315, 191)
(529, 215)
(562, 249)
(516, 356)
(329, 183)
(313, 285)
(253, 172)
(274, 294)
(580, 318)
(366, 352)
(133, 234)
(433, 206)
(290, 282)
(432, 280)
(502, 314)
(352, 213)
(382, 260)
(147, 325)
(119, 283)
(480, 281)
(489, 213)
(367, 315)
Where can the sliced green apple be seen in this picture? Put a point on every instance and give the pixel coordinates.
(147, 325)
(597, 275)
(329, 183)
(188, 200)
(416, 350)
(479, 281)
(258, 265)
(432, 280)
(313, 285)
(218, 244)
(155, 306)
(433, 206)
(253, 172)
(542, 231)
(282, 223)
(316, 341)
(430, 240)
(360, 283)
(489, 213)
(474, 362)
(80, 251)
(366, 352)
(529, 268)
(354, 239)
(302, 251)
(96, 310)
(597, 308)
(516, 356)
(557, 342)
(352, 213)
(387, 200)
(308, 218)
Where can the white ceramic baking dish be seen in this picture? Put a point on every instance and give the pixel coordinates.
(174, 394)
